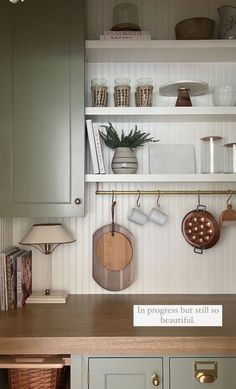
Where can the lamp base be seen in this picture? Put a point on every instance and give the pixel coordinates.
(57, 297)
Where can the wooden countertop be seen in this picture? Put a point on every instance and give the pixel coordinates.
(103, 324)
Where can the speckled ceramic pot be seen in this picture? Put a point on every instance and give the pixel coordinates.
(227, 28)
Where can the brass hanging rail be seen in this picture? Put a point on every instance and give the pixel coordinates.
(163, 192)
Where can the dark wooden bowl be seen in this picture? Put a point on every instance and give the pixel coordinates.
(195, 28)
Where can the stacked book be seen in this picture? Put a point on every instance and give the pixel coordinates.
(15, 277)
(126, 35)
(95, 147)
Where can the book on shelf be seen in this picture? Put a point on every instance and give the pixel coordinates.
(126, 33)
(92, 146)
(98, 146)
(11, 278)
(23, 277)
(125, 37)
(15, 277)
(3, 276)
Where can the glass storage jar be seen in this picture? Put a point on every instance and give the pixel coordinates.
(125, 17)
(230, 157)
(211, 154)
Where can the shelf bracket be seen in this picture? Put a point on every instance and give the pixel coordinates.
(101, 192)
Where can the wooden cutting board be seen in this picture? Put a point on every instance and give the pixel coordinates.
(113, 267)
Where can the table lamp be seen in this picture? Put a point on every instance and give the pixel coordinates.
(45, 238)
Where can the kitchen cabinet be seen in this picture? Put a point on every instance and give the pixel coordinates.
(114, 373)
(42, 108)
(192, 372)
(165, 372)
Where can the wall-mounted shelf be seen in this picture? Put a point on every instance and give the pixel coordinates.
(219, 50)
(193, 113)
(160, 178)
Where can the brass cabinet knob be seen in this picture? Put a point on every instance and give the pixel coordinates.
(205, 378)
(77, 201)
(155, 379)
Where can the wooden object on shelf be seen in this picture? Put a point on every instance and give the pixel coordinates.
(183, 99)
(113, 265)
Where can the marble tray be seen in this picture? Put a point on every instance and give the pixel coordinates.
(172, 159)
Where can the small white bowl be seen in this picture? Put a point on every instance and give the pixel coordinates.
(225, 96)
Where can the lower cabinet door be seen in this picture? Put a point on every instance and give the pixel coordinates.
(125, 373)
(194, 373)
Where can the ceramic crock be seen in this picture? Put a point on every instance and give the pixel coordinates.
(227, 26)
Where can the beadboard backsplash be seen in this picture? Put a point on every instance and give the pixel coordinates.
(164, 262)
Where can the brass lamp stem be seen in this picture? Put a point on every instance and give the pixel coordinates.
(47, 250)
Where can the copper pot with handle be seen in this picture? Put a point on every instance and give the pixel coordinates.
(200, 229)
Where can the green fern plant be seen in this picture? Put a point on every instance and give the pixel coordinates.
(132, 140)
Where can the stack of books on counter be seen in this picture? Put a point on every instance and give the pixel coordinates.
(94, 140)
(15, 277)
(126, 35)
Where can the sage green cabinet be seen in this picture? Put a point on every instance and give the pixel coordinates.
(125, 373)
(42, 108)
(192, 373)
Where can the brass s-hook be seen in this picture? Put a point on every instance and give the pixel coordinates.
(113, 204)
(158, 198)
(138, 199)
(231, 194)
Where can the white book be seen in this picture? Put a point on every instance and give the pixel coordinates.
(92, 146)
(97, 139)
(119, 33)
(125, 38)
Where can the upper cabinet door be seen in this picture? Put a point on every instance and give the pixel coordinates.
(42, 108)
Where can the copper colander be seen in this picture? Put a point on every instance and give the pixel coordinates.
(200, 229)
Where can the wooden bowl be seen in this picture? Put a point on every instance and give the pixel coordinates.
(195, 28)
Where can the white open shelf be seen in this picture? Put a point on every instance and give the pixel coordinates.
(160, 178)
(162, 111)
(217, 50)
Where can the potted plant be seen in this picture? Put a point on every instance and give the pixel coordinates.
(124, 160)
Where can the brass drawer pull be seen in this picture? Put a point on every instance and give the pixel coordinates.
(155, 379)
(205, 372)
(205, 378)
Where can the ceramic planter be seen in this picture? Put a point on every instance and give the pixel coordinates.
(124, 161)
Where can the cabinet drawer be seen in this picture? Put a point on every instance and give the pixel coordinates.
(192, 373)
(125, 373)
